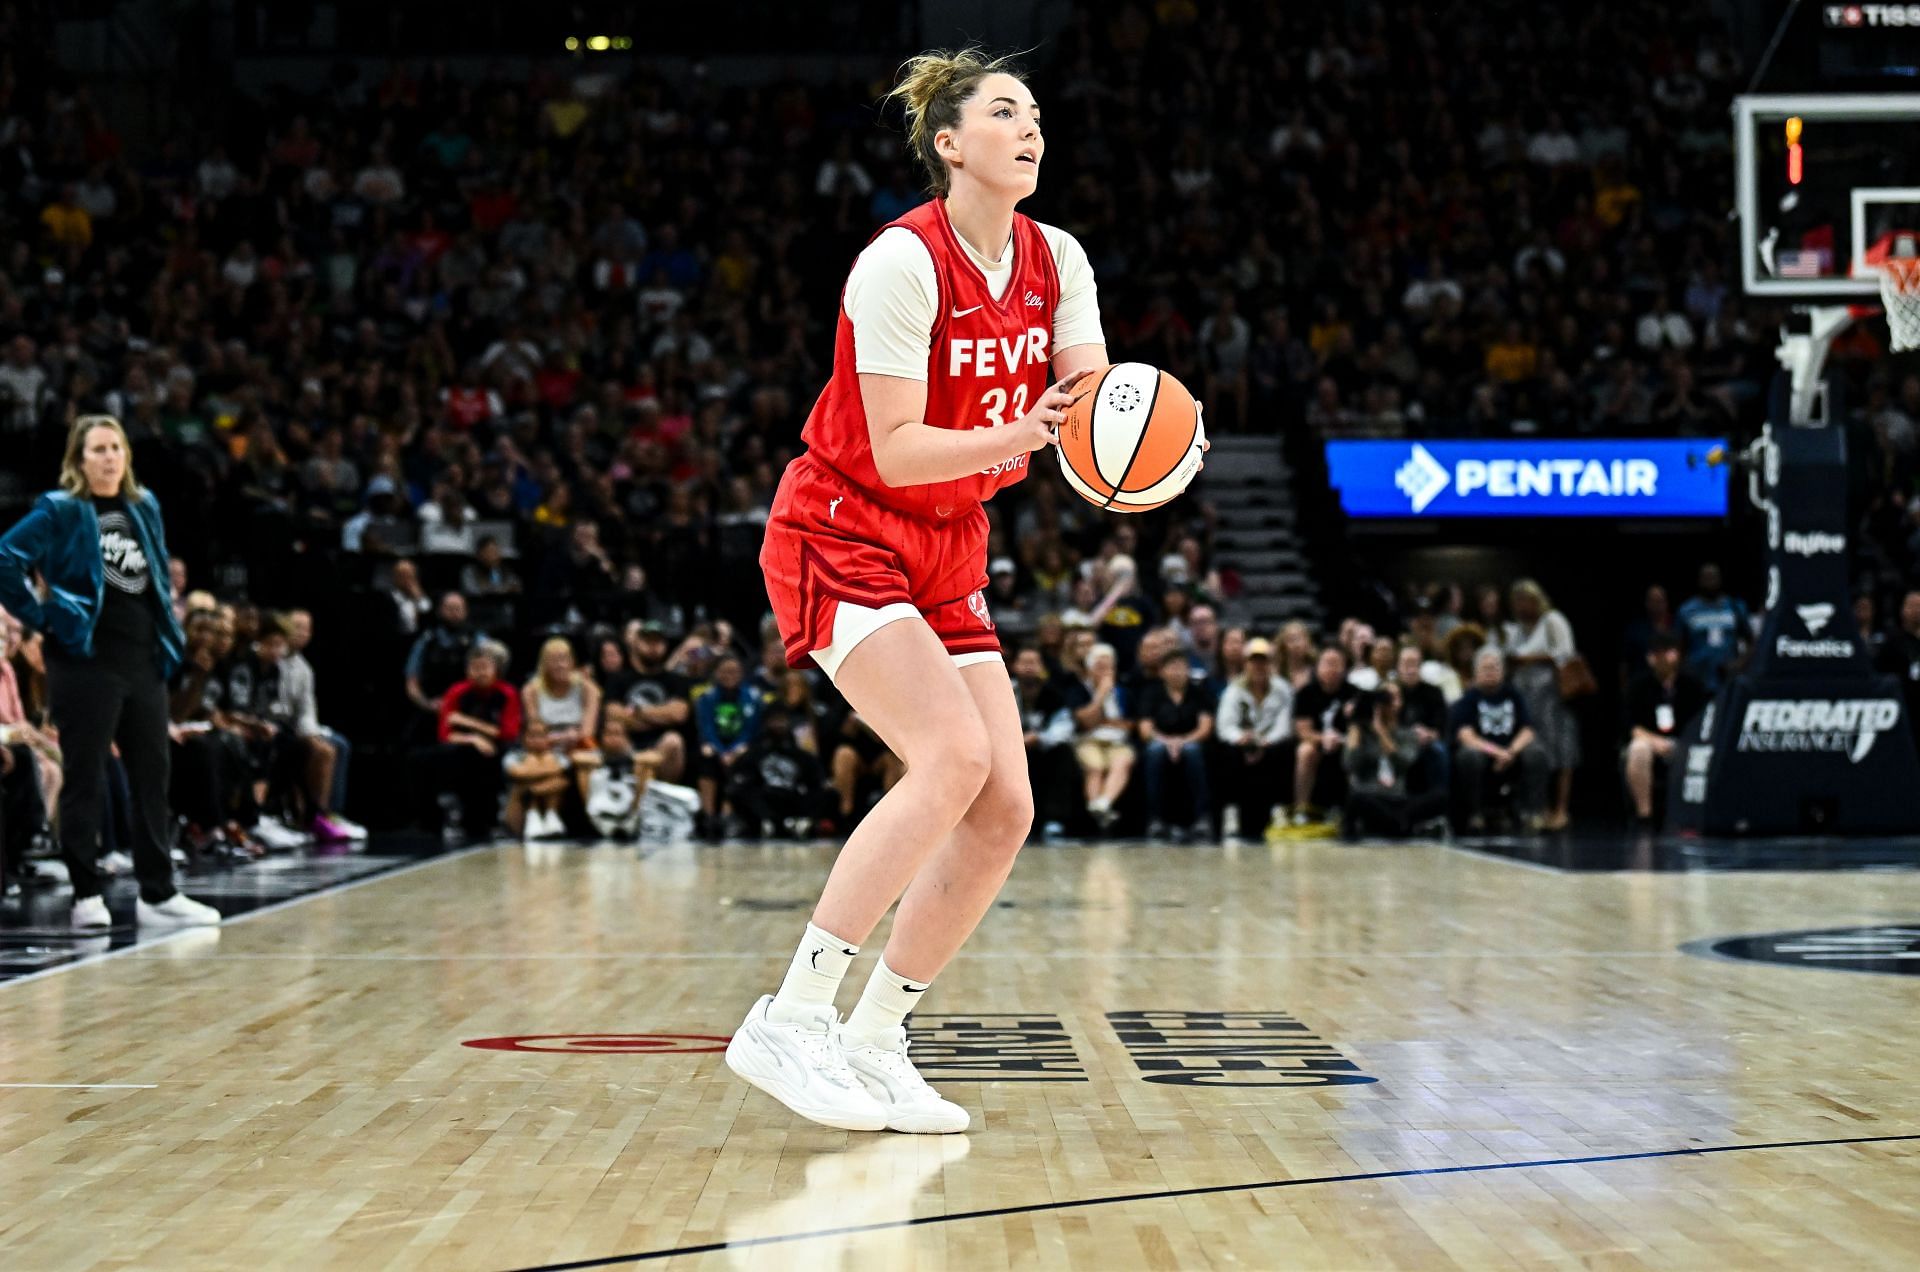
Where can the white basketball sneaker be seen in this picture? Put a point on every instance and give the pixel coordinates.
(177, 911)
(912, 1105)
(799, 1064)
(90, 913)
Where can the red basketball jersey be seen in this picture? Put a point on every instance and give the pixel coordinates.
(988, 364)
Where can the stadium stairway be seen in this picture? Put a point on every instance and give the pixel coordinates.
(1249, 483)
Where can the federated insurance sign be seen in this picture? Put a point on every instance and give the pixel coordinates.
(1663, 478)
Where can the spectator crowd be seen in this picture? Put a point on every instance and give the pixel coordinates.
(499, 373)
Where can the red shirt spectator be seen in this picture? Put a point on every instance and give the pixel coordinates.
(491, 701)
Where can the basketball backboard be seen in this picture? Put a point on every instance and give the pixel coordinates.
(1823, 182)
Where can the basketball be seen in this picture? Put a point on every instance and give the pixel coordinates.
(1134, 440)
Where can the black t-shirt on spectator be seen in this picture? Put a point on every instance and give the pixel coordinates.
(252, 687)
(1326, 710)
(1496, 717)
(1646, 698)
(1035, 712)
(1175, 719)
(653, 689)
(1423, 706)
(124, 634)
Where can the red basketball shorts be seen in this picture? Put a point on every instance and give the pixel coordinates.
(830, 545)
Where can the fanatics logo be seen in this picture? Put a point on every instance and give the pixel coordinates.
(1034, 301)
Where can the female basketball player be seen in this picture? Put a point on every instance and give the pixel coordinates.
(875, 559)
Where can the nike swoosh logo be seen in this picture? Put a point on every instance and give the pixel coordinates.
(845, 950)
(911, 990)
(962, 313)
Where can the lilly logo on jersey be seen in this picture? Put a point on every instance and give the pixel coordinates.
(997, 355)
(1035, 300)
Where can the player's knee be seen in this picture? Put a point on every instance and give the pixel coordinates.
(963, 761)
(1639, 751)
(1004, 809)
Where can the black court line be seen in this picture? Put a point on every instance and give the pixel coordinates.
(1216, 1190)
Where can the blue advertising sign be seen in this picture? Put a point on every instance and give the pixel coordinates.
(1663, 478)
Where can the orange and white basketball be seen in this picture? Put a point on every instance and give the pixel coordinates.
(1133, 440)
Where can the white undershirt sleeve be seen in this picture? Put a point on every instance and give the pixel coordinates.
(1077, 319)
(892, 299)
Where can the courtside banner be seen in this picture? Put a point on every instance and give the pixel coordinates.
(1663, 478)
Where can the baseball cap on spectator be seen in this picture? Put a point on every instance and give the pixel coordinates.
(1259, 647)
(1002, 565)
(1174, 571)
(381, 485)
(654, 627)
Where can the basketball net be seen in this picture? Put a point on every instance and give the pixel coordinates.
(1893, 256)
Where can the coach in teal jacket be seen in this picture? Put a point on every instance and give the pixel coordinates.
(60, 539)
(112, 645)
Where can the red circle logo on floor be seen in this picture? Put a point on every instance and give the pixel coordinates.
(601, 1044)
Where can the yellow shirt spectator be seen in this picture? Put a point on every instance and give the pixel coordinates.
(68, 224)
(1512, 357)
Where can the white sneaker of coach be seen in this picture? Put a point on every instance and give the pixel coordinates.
(353, 830)
(799, 1064)
(912, 1105)
(90, 913)
(177, 911)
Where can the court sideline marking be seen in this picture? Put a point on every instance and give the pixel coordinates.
(1213, 1190)
(177, 933)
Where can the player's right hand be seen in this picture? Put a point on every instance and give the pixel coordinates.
(1041, 426)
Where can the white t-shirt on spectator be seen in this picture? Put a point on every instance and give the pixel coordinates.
(658, 305)
(1671, 329)
(1549, 256)
(1291, 136)
(833, 171)
(380, 183)
(691, 345)
(217, 178)
(1225, 345)
(893, 299)
(522, 357)
(1243, 718)
(1553, 149)
(21, 389)
(1422, 292)
(1552, 636)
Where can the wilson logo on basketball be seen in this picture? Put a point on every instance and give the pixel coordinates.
(601, 1044)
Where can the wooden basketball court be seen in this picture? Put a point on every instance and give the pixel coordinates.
(1309, 1055)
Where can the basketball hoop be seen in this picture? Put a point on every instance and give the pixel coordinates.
(1895, 259)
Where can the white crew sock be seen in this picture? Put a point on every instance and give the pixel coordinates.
(818, 967)
(888, 998)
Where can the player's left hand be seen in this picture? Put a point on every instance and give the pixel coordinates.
(1200, 414)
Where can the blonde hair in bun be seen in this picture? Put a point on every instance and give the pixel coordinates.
(933, 87)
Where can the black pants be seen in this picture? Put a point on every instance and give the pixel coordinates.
(1474, 778)
(475, 778)
(213, 780)
(21, 808)
(1371, 812)
(1054, 774)
(1253, 788)
(96, 704)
